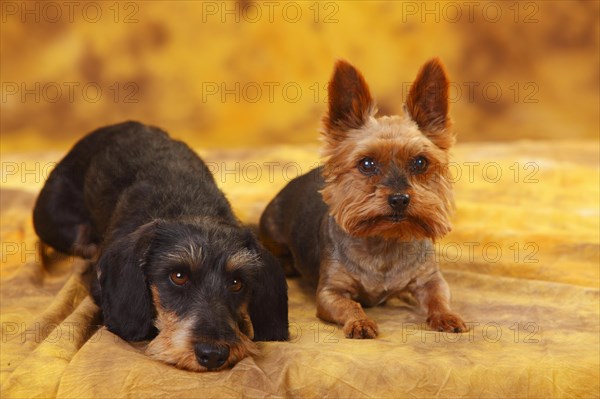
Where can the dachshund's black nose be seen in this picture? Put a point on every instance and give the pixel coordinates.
(211, 356)
(399, 202)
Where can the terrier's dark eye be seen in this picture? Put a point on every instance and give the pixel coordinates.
(367, 166)
(236, 285)
(179, 278)
(419, 165)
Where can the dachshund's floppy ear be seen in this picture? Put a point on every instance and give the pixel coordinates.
(124, 295)
(268, 306)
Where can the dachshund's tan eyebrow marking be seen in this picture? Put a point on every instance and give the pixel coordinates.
(189, 254)
(242, 259)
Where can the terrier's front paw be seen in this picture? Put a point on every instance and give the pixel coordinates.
(447, 322)
(360, 329)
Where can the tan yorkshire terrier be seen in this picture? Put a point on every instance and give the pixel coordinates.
(362, 226)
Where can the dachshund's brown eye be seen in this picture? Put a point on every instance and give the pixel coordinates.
(236, 285)
(179, 278)
(367, 166)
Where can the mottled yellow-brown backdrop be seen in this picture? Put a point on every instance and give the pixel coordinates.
(244, 84)
(238, 74)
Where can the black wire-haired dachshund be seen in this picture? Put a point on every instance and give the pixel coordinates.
(172, 262)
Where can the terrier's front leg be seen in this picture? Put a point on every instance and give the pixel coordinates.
(433, 295)
(334, 305)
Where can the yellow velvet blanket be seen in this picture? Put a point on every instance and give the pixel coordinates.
(522, 264)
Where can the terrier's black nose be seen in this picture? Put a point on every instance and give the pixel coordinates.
(211, 356)
(399, 202)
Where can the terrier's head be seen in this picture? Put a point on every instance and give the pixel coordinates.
(387, 176)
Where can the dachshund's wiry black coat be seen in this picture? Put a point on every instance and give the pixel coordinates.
(173, 263)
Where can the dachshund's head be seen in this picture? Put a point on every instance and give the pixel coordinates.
(200, 289)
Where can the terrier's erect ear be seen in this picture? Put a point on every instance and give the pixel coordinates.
(350, 102)
(427, 103)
